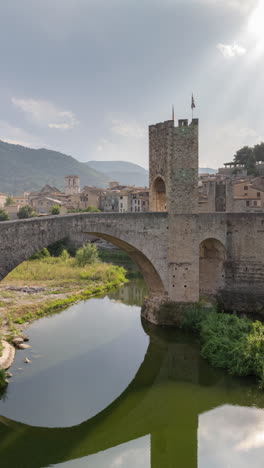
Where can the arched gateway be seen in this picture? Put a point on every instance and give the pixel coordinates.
(178, 251)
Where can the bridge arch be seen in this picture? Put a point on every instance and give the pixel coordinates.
(212, 258)
(34, 234)
(159, 196)
(149, 272)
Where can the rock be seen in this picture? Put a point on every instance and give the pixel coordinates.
(8, 354)
(6, 381)
(27, 361)
(9, 374)
(25, 337)
(17, 340)
(23, 346)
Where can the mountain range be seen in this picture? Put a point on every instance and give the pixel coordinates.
(25, 169)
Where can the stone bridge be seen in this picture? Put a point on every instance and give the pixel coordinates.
(223, 255)
(138, 412)
(183, 254)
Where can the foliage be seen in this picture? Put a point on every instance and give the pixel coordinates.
(26, 212)
(9, 201)
(3, 382)
(55, 210)
(248, 156)
(87, 254)
(65, 255)
(229, 341)
(40, 254)
(4, 216)
(55, 268)
(57, 248)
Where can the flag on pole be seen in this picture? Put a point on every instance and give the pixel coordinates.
(193, 103)
(173, 112)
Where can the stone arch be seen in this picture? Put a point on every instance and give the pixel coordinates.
(159, 197)
(212, 256)
(149, 272)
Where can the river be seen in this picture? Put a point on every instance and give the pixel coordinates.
(106, 390)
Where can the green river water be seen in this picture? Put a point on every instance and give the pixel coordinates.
(106, 390)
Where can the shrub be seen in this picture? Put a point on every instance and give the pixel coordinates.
(26, 212)
(86, 255)
(65, 255)
(57, 248)
(229, 342)
(40, 254)
(4, 216)
(2, 378)
(9, 201)
(55, 210)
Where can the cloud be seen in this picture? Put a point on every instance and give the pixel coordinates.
(231, 50)
(18, 136)
(243, 6)
(230, 435)
(46, 114)
(126, 129)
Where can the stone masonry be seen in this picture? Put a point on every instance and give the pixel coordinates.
(183, 254)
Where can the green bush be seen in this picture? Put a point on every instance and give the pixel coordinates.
(2, 378)
(65, 255)
(43, 253)
(57, 248)
(55, 210)
(4, 216)
(26, 212)
(86, 255)
(229, 342)
(9, 201)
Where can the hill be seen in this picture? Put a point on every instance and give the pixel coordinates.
(207, 170)
(129, 173)
(123, 172)
(25, 169)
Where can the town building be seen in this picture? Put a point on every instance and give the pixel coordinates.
(72, 185)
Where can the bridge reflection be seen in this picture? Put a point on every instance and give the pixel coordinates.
(172, 387)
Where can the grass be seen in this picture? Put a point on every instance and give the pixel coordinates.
(57, 276)
(230, 342)
(55, 268)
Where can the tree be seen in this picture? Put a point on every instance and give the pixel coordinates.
(243, 155)
(259, 152)
(55, 210)
(86, 255)
(9, 201)
(4, 216)
(26, 212)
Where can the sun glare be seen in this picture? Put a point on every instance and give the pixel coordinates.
(255, 24)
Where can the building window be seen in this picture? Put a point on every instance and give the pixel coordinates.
(245, 187)
(258, 194)
(247, 202)
(255, 203)
(245, 194)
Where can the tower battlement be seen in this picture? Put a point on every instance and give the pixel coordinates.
(173, 163)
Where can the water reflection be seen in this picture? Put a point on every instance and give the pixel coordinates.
(132, 293)
(174, 399)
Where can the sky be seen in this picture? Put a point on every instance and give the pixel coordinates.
(87, 77)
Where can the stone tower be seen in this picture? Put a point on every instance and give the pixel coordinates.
(173, 161)
(72, 185)
(173, 166)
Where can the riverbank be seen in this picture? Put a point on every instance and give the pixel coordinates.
(228, 341)
(44, 286)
